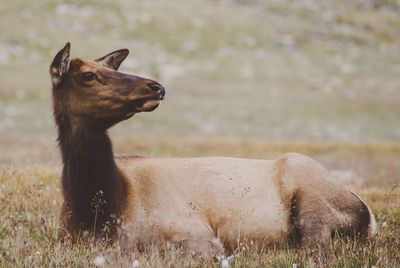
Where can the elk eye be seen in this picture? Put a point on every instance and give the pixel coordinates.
(89, 76)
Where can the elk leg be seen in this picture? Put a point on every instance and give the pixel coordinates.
(312, 230)
(308, 219)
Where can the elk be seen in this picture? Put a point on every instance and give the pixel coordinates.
(205, 205)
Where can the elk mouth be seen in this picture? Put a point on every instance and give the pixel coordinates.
(147, 104)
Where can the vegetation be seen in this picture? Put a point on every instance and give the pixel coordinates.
(30, 202)
(245, 78)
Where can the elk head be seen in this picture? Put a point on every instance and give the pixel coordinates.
(95, 94)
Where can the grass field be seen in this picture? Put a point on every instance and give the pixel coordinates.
(246, 78)
(30, 200)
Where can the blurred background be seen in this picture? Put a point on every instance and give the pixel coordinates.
(247, 78)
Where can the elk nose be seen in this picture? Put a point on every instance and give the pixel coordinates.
(158, 88)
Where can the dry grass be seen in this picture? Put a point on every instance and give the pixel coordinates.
(30, 201)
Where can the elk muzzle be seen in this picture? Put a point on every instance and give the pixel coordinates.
(149, 103)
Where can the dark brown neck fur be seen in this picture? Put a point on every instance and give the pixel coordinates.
(94, 189)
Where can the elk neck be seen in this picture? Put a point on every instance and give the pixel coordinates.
(93, 187)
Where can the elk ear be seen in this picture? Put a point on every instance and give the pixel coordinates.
(114, 59)
(60, 65)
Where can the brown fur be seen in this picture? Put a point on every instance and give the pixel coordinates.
(206, 205)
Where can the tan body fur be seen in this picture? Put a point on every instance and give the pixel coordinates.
(206, 205)
(212, 202)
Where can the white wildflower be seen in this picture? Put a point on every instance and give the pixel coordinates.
(225, 264)
(294, 265)
(135, 264)
(99, 260)
(225, 261)
(384, 224)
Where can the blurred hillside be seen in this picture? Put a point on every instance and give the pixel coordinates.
(303, 70)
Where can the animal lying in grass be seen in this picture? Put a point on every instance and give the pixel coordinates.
(206, 205)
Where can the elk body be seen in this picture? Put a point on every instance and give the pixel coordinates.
(206, 205)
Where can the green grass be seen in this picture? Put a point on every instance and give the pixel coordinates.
(245, 78)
